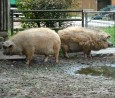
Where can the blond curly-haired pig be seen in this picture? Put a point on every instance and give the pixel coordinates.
(43, 41)
(80, 39)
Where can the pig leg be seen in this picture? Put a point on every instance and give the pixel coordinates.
(56, 52)
(56, 57)
(29, 54)
(87, 53)
(64, 50)
(29, 58)
(46, 58)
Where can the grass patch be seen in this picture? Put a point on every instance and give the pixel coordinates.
(111, 31)
(107, 71)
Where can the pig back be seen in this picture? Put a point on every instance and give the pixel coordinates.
(41, 39)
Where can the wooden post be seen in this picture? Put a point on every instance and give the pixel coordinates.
(4, 17)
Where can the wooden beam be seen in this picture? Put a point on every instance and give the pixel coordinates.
(4, 14)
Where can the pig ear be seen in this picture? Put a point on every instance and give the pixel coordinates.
(108, 37)
(8, 44)
(11, 44)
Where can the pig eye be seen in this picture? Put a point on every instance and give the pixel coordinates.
(4, 47)
(10, 46)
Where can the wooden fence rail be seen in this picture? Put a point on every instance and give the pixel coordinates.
(14, 19)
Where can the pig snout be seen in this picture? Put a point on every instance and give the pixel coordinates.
(6, 53)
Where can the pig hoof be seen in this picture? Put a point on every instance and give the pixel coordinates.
(57, 61)
(67, 57)
(46, 59)
(27, 63)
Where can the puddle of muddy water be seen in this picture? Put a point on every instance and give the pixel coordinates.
(107, 70)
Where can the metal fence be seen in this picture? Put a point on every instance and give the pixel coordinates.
(64, 20)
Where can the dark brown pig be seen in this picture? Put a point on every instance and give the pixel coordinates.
(42, 41)
(80, 39)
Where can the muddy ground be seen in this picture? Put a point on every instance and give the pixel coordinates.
(50, 80)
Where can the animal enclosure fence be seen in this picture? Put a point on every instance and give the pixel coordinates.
(4, 19)
(4, 13)
(104, 20)
(57, 20)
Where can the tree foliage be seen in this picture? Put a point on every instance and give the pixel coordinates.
(44, 5)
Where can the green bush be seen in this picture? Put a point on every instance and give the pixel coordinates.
(44, 5)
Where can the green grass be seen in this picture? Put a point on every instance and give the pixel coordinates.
(111, 31)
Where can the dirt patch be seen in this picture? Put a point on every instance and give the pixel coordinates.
(50, 80)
